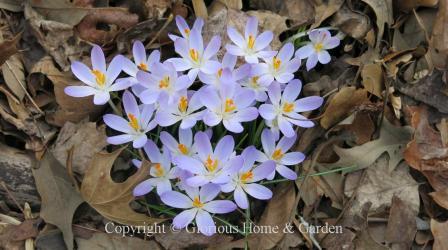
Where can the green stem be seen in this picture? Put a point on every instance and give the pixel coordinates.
(230, 225)
(246, 231)
(114, 108)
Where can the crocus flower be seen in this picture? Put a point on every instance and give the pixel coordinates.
(184, 108)
(99, 79)
(163, 84)
(199, 204)
(210, 166)
(244, 181)
(231, 104)
(253, 83)
(160, 171)
(193, 56)
(280, 67)
(278, 154)
(184, 29)
(252, 46)
(141, 61)
(228, 62)
(182, 147)
(284, 108)
(316, 50)
(135, 128)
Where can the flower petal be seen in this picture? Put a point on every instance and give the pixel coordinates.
(286, 127)
(251, 27)
(311, 62)
(184, 218)
(166, 119)
(212, 47)
(224, 148)
(234, 50)
(101, 98)
(205, 223)
(267, 111)
(286, 52)
(292, 90)
(236, 38)
(305, 51)
(286, 172)
(119, 139)
(144, 187)
(153, 152)
(263, 170)
(203, 145)
(115, 67)
(130, 104)
(189, 164)
(82, 72)
(263, 40)
(79, 91)
(98, 59)
(208, 192)
(308, 103)
(139, 52)
(140, 141)
(219, 207)
(176, 199)
(324, 57)
(117, 123)
(268, 141)
(258, 191)
(233, 126)
(241, 198)
(292, 158)
(163, 186)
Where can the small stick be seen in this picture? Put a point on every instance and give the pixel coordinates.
(11, 196)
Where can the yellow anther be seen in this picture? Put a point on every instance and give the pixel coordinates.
(182, 148)
(187, 31)
(276, 62)
(288, 107)
(211, 164)
(183, 104)
(143, 66)
(229, 106)
(197, 203)
(99, 77)
(219, 72)
(251, 42)
(194, 55)
(164, 83)
(159, 170)
(247, 176)
(133, 122)
(277, 155)
(318, 47)
(254, 81)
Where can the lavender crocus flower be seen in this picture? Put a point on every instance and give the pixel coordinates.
(199, 204)
(253, 83)
(163, 84)
(141, 61)
(99, 79)
(228, 62)
(182, 147)
(316, 50)
(184, 108)
(284, 108)
(244, 180)
(280, 67)
(252, 46)
(135, 128)
(184, 29)
(210, 166)
(160, 171)
(193, 56)
(278, 154)
(231, 104)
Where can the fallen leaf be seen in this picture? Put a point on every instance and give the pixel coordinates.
(109, 198)
(11, 5)
(380, 185)
(440, 232)
(324, 10)
(100, 241)
(87, 140)
(401, 226)
(408, 5)
(439, 36)
(392, 140)
(298, 12)
(183, 239)
(342, 104)
(384, 14)
(351, 23)
(441, 197)
(8, 47)
(61, 11)
(59, 198)
(372, 79)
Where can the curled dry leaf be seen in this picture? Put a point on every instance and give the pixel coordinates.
(392, 140)
(439, 37)
(59, 198)
(384, 14)
(342, 104)
(109, 198)
(8, 47)
(372, 78)
(352, 23)
(12, 66)
(440, 232)
(325, 9)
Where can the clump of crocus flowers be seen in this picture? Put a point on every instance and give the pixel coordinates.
(193, 151)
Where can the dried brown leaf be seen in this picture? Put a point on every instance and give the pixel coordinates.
(372, 79)
(61, 11)
(324, 10)
(384, 14)
(439, 37)
(401, 226)
(440, 232)
(100, 241)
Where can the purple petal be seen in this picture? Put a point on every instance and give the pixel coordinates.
(166, 119)
(180, 64)
(152, 151)
(241, 198)
(286, 52)
(120, 85)
(196, 41)
(308, 103)
(154, 57)
(292, 158)
(284, 77)
(184, 218)
(224, 148)
(198, 24)
(212, 47)
(210, 67)
(176, 199)
(266, 80)
(236, 38)
(197, 181)
(286, 172)
(186, 136)
(263, 40)
(267, 141)
(267, 111)
(311, 62)
(189, 164)
(293, 65)
(233, 126)
(305, 51)
(139, 52)
(247, 114)
(229, 61)
(263, 170)
(331, 43)
(251, 27)
(140, 141)
(163, 186)
(203, 145)
(119, 139)
(244, 98)
(292, 90)
(182, 25)
(98, 59)
(114, 69)
(324, 57)
(130, 104)
(286, 128)
(302, 122)
(286, 143)
(168, 141)
(79, 91)
(149, 96)
(219, 207)
(234, 50)
(143, 187)
(82, 72)
(183, 82)
(117, 123)
(101, 98)
(314, 36)
(258, 191)
(205, 223)
(274, 92)
(208, 192)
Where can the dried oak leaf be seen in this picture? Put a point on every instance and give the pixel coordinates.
(352, 23)
(401, 226)
(109, 198)
(440, 232)
(8, 48)
(384, 14)
(61, 11)
(59, 198)
(392, 140)
(325, 9)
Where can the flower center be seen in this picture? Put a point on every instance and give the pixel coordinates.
(143, 66)
(187, 32)
(276, 63)
(211, 164)
(194, 55)
(182, 148)
(318, 47)
(219, 74)
(197, 203)
(159, 170)
(133, 122)
(229, 106)
(277, 155)
(288, 107)
(183, 104)
(164, 83)
(251, 42)
(254, 81)
(100, 78)
(247, 176)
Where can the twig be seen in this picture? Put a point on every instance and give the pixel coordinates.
(3, 184)
(168, 21)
